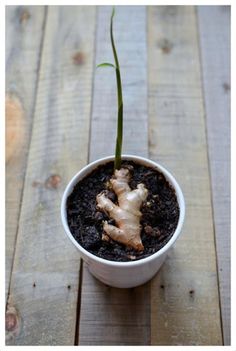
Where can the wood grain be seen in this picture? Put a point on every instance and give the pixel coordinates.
(14, 126)
(111, 316)
(184, 295)
(214, 31)
(44, 284)
(24, 32)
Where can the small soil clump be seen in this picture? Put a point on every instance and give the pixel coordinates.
(160, 212)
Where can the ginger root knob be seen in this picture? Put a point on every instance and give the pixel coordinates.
(127, 213)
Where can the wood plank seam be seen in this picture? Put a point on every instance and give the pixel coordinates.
(209, 167)
(79, 298)
(33, 115)
(78, 307)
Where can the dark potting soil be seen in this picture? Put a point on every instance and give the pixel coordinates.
(160, 212)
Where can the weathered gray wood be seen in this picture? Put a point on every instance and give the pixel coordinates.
(214, 31)
(184, 295)
(44, 285)
(24, 32)
(112, 316)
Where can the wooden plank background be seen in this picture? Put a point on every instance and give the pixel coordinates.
(214, 32)
(185, 292)
(168, 84)
(44, 285)
(24, 34)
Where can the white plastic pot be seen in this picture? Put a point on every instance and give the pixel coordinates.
(124, 274)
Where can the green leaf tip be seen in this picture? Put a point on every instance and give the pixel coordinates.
(113, 12)
(106, 64)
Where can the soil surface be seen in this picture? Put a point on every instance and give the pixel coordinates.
(160, 212)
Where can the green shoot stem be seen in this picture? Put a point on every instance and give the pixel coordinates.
(119, 137)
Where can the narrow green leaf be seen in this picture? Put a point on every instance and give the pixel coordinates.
(106, 64)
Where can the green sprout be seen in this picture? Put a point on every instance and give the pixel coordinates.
(119, 136)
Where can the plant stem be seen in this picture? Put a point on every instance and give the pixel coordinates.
(119, 136)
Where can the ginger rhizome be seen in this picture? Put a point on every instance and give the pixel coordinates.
(127, 213)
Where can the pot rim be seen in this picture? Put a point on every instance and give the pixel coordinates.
(89, 168)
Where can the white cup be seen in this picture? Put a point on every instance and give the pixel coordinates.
(124, 274)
